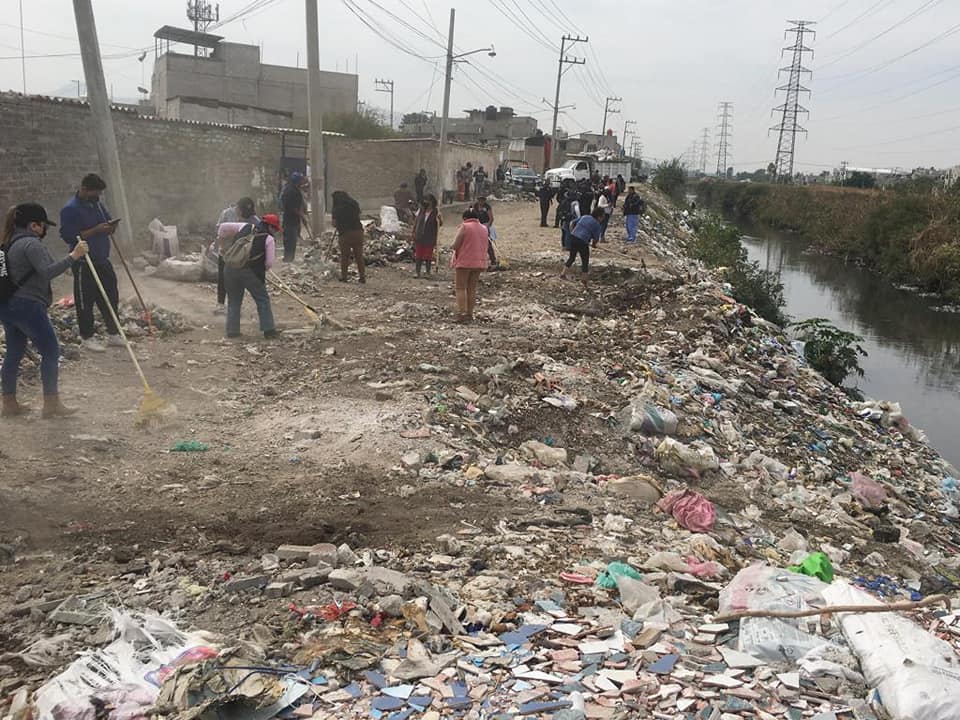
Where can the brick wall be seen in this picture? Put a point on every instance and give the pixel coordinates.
(185, 173)
(180, 172)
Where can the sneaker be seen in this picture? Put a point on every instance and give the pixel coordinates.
(115, 341)
(93, 345)
(271, 334)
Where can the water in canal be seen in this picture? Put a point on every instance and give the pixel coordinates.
(914, 350)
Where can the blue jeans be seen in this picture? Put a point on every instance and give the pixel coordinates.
(238, 281)
(632, 221)
(23, 320)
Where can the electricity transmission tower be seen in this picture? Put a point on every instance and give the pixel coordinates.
(387, 87)
(704, 145)
(791, 109)
(724, 117)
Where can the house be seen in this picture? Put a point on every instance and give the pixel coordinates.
(231, 85)
(490, 126)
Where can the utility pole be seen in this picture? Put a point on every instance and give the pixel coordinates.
(386, 86)
(447, 79)
(791, 109)
(724, 116)
(704, 144)
(444, 119)
(564, 60)
(201, 14)
(607, 110)
(626, 124)
(318, 170)
(23, 53)
(107, 151)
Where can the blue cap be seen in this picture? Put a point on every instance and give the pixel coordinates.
(296, 178)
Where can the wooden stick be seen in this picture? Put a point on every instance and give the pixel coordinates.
(831, 609)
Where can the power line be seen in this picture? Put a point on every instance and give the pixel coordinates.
(519, 23)
(374, 27)
(407, 25)
(919, 11)
(859, 17)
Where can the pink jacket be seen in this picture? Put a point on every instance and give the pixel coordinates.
(474, 240)
(229, 229)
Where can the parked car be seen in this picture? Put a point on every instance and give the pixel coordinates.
(523, 179)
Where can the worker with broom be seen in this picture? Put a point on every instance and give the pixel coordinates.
(243, 212)
(248, 251)
(84, 216)
(25, 274)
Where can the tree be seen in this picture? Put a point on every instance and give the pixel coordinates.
(860, 180)
(835, 353)
(365, 124)
(416, 118)
(772, 171)
(670, 178)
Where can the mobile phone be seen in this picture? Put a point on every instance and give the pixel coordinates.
(115, 221)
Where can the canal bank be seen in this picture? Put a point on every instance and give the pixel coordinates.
(913, 349)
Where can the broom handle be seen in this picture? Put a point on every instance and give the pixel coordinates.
(279, 283)
(116, 246)
(116, 321)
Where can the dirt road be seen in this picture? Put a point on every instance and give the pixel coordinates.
(301, 443)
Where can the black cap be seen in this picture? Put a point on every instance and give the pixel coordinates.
(26, 213)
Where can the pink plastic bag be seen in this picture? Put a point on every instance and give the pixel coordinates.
(691, 509)
(867, 491)
(706, 569)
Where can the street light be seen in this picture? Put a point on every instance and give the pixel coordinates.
(451, 58)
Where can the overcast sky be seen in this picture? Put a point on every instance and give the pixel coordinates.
(885, 71)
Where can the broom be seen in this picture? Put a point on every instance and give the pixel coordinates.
(153, 408)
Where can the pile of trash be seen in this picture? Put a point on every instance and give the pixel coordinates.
(702, 527)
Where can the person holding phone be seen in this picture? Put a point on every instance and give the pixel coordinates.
(86, 218)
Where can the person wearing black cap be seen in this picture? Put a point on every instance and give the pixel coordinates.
(28, 268)
(84, 216)
(294, 208)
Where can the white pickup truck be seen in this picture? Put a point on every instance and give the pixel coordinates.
(579, 168)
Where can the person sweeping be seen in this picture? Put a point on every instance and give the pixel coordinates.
(248, 251)
(26, 269)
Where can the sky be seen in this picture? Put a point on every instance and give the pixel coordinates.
(885, 72)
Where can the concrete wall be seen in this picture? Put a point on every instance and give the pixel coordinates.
(185, 173)
(181, 109)
(234, 75)
(370, 170)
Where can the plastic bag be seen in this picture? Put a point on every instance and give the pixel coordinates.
(643, 417)
(916, 674)
(691, 509)
(389, 220)
(145, 644)
(868, 492)
(761, 587)
(815, 565)
(674, 455)
(608, 578)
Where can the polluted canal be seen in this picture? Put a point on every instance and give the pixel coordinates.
(913, 348)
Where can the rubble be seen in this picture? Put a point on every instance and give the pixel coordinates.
(687, 457)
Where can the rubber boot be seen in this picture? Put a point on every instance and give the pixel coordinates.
(11, 408)
(53, 408)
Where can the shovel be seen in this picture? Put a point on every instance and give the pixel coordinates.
(153, 408)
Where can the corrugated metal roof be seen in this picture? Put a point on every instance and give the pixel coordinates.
(173, 121)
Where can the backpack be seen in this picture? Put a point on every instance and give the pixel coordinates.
(239, 254)
(8, 286)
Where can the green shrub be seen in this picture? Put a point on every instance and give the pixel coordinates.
(833, 352)
(717, 244)
(670, 179)
(760, 290)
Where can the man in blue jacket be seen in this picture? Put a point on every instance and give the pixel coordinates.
(84, 216)
(584, 232)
